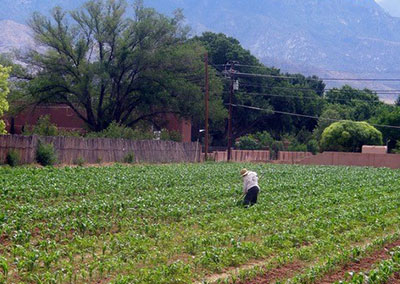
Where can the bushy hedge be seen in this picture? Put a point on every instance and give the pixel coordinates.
(45, 154)
(349, 136)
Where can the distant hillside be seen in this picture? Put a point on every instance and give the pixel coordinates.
(14, 36)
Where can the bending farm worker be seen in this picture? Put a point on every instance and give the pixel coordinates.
(250, 187)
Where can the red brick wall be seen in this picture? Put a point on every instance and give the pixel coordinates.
(61, 115)
(184, 127)
(65, 118)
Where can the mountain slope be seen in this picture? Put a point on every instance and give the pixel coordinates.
(342, 37)
(346, 35)
(14, 36)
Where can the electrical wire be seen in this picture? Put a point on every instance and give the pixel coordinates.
(315, 79)
(388, 92)
(307, 78)
(383, 92)
(307, 97)
(307, 116)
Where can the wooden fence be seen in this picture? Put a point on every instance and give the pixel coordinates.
(292, 157)
(95, 150)
(242, 156)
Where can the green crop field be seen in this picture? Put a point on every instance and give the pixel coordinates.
(180, 223)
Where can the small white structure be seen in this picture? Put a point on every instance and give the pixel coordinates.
(374, 149)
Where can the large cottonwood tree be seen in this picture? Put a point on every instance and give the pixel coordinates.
(113, 62)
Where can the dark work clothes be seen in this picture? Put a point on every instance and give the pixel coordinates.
(251, 196)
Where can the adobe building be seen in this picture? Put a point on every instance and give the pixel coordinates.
(66, 119)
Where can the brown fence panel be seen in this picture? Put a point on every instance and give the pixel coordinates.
(242, 156)
(94, 150)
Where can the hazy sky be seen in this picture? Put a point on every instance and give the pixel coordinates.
(392, 6)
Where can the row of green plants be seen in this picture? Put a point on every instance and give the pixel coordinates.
(381, 274)
(313, 271)
(180, 223)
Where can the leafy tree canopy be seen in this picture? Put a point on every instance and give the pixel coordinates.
(388, 115)
(360, 104)
(110, 67)
(4, 90)
(349, 136)
(299, 94)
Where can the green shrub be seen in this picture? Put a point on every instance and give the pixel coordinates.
(80, 161)
(114, 130)
(297, 147)
(264, 139)
(12, 158)
(312, 146)
(129, 158)
(276, 146)
(43, 127)
(349, 136)
(45, 154)
(248, 143)
(170, 135)
(397, 149)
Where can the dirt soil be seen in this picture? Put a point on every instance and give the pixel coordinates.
(283, 272)
(364, 264)
(395, 279)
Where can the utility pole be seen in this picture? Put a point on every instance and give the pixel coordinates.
(231, 71)
(206, 108)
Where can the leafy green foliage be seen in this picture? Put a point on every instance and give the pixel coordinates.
(388, 115)
(257, 141)
(360, 104)
(110, 67)
(271, 93)
(348, 136)
(171, 135)
(80, 161)
(43, 127)
(248, 143)
(312, 146)
(83, 223)
(122, 224)
(115, 130)
(13, 158)
(328, 116)
(379, 275)
(129, 158)
(45, 154)
(397, 149)
(4, 90)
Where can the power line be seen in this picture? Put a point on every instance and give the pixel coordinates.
(395, 92)
(388, 92)
(305, 97)
(343, 71)
(307, 116)
(315, 79)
